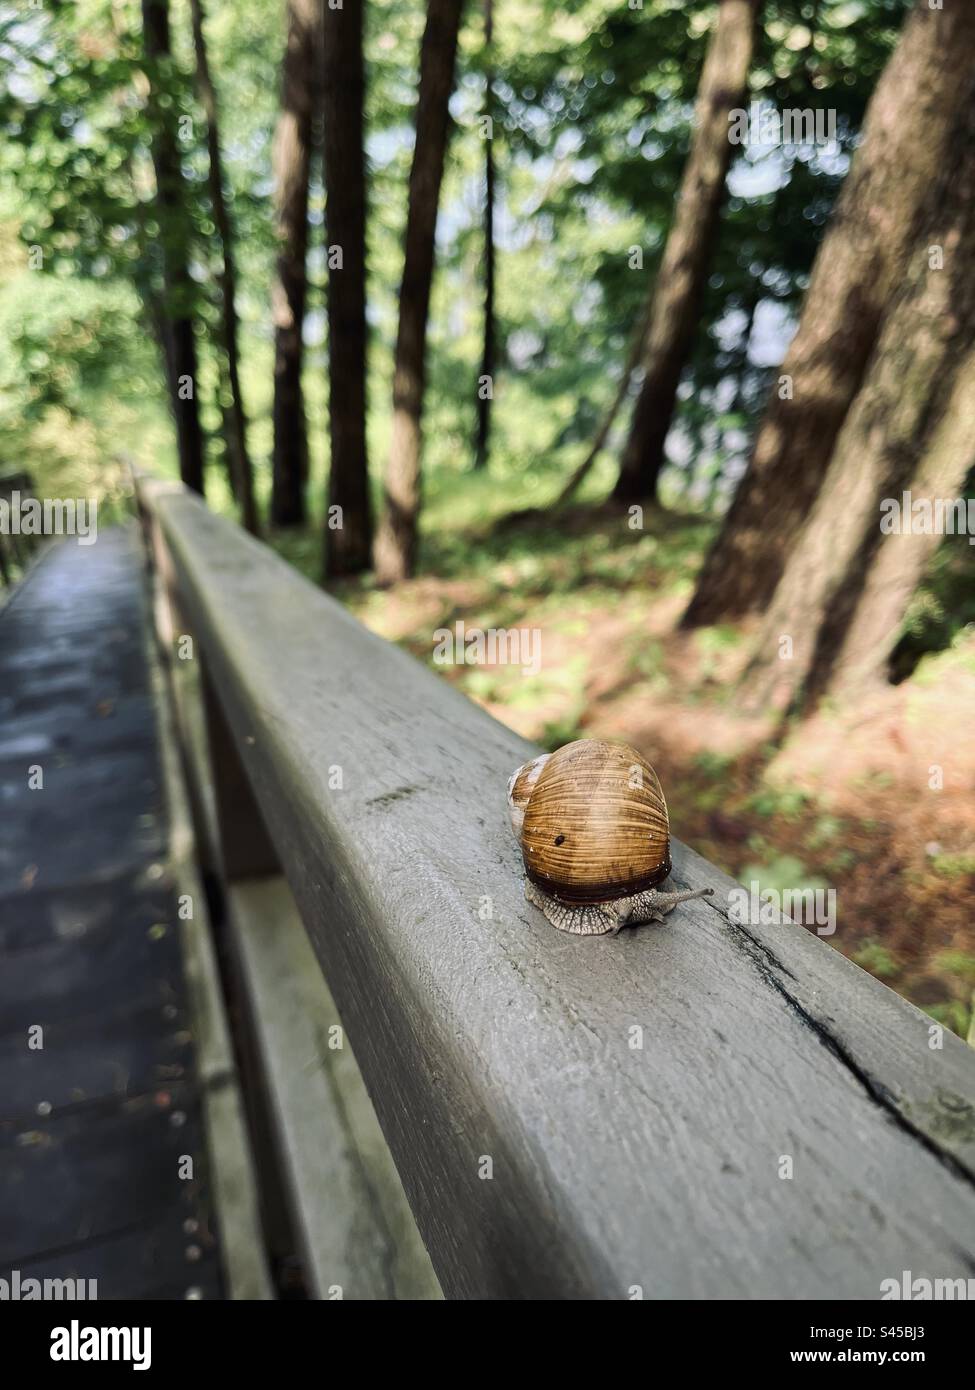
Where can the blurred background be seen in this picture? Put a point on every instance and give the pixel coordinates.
(676, 355)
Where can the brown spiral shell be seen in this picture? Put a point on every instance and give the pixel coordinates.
(520, 785)
(595, 824)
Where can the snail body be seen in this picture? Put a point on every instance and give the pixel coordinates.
(594, 832)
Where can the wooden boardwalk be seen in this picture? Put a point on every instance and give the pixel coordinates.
(97, 1123)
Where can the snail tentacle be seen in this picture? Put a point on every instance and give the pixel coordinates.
(653, 905)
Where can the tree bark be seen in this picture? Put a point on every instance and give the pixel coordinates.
(681, 280)
(348, 545)
(485, 394)
(908, 420)
(396, 541)
(222, 399)
(859, 262)
(902, 559)
(240, 464)
(178, 290)
(291, 160)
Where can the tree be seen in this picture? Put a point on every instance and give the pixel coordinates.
(903, 556)
(291, 160)
(840, 601)
(177, 318)
(397, 538)
(679, 288)
(860, 260)
(240, 463)
(348, 544)
(485, 381)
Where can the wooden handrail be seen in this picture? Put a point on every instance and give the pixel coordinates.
(703, 1109)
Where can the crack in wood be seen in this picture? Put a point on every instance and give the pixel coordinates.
(767, 964)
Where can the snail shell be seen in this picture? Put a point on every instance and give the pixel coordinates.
(593, 822)
(520, 785)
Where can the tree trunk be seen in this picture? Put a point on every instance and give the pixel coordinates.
(485, 384)
(222, 398)
(178, 289)
(859, 262)
(681, 280)
(348, 531)
(902, 559)
(291, 160)
(910, 408)
(240, 463)
(397, 538)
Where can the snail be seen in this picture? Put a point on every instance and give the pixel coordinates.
(594, 833)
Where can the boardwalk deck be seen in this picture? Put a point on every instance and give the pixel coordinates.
(96, 1123)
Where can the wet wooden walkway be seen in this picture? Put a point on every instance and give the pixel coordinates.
(100, 1106)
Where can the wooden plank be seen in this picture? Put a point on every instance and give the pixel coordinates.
(89, 1174)
(96, 1124)
(94, 1059)
(94, 972)
(921, 1075)
(149, 1261)
(44, 918)
(614, 1166)
(357, 1229)
(236, 1193)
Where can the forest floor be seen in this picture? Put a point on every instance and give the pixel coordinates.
(842, 801)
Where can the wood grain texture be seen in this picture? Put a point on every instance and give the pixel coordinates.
(495, 1036)
(355, 1225)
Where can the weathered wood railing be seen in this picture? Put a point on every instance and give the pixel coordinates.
(706, 1109)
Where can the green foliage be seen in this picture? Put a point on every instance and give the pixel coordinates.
(80, 390)
(61, 340)
(957, 963)
(713, 764)
(787, 802)
(941, 609)
(782, 874)
(560, 731)
(593, 104)
(954, 865)
(953, 1014)
(595, 142)
(717, 639)
(878, 960)
(824, 831)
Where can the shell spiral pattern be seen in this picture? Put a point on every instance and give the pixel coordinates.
(595, 824)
